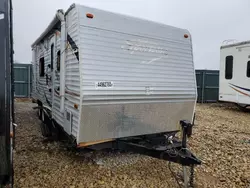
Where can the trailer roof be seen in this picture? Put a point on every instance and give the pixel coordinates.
(235, 44)
(56, 20)
(51, 26)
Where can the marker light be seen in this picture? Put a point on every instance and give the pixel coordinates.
(88, 15)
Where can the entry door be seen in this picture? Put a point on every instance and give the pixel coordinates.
(66, 117)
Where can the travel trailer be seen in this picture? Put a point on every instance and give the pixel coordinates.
(102, 76)
(114, 81)
(234, 84)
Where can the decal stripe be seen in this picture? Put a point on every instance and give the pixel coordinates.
(240, 91)
(73, 46)
(246, 89)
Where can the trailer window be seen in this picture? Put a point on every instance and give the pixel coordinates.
(248, 69)
(51, 56)
(229, 67)
(58, 60)
(41, 67)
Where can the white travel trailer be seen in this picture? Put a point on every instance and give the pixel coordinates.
(101, 76)
(234, 84)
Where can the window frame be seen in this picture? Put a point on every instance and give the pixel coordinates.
(58, 60)
(229, 76)
(51, 56)
(41, 67)
(248, 69)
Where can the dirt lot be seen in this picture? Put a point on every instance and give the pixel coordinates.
(221, 140)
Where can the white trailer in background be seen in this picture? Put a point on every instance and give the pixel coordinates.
(234, 84)
(104, 78)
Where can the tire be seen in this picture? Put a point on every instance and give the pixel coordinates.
(243, 108)
(45, 130)
(42, 127)
(40, 114)
(40, 105)
(45, 125)
(55, 132)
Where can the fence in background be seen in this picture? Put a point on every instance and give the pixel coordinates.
(207, 85)
(23, 80)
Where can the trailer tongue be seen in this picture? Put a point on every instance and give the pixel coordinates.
(159, 147)
(165, 147)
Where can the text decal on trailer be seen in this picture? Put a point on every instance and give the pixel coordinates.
(138, 45)
(104, 84)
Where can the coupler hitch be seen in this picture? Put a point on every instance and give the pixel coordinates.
(166, 148)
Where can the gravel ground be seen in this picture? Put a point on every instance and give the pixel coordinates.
(221, 139)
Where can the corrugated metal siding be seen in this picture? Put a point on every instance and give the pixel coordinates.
(57, 115)
(105, 57)
(35, 65)
(129, 25)
(72, 73)
(207, 85)
(23, 79)
(40, 90)
(150, 68)
(72, 81)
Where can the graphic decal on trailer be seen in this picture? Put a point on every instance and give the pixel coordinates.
(73, 46)
(239, 89)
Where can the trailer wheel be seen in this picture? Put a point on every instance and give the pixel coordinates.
(40, 114)
(243, 108)
(55, 132)
(42, 129)
(45, 125)
(45, 130)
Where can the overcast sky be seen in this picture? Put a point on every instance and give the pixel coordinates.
(210, 22)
